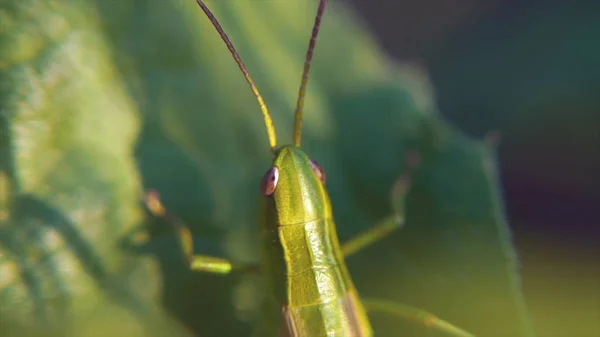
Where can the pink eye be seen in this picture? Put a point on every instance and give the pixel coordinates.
(318, 170)
(269, 181)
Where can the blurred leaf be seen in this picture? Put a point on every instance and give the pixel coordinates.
(69, 185)
(202, 145)
(537, 82)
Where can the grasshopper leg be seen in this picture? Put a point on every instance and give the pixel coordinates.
(389, 224)
(203, 263)
(420, 316)
(378, 232)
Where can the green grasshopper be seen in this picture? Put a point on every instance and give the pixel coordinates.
(311, 292)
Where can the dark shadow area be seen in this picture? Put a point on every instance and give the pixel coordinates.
(166, 169)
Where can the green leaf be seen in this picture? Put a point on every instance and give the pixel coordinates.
(160, 68)
(70, 188)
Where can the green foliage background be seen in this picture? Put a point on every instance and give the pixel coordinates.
(102, 99)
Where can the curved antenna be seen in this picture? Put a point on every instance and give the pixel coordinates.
(238, 60)
(302, 91)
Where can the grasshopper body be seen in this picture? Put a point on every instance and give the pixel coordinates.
(310, 292)
(301, 255)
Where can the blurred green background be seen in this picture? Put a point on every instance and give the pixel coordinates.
(530, 70)
(100, 100)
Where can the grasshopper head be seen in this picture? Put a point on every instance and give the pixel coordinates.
(296, 184)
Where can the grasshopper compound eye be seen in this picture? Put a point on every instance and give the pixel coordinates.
(318, 170)
(269, 181)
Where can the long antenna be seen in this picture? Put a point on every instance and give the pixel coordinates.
(238, 60)
(302, 91)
